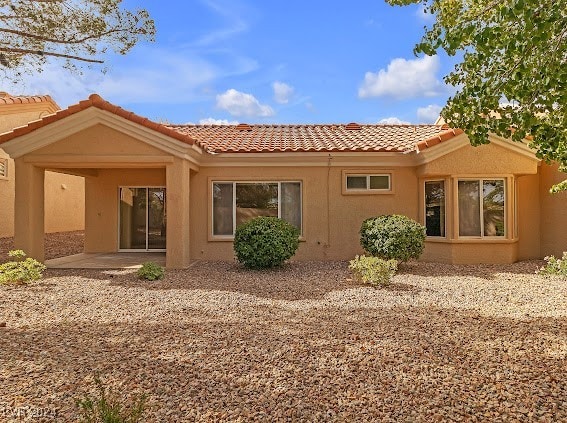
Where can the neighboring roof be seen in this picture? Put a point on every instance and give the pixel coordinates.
(97, 101)
(245, 138)
(6, 98)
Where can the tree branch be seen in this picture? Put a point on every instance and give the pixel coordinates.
(48, 53)
(56, 41)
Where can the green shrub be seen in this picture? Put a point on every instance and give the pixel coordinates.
(265, 242)
(373, 270)
(392, 237)
(150, 271)
(22, 270)
(107, 408)
(554, 266)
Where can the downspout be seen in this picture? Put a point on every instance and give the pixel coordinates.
(328, 243)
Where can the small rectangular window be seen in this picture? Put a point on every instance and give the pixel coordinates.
(435, 208)
(368, 182)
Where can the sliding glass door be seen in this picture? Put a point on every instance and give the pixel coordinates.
(142, 218)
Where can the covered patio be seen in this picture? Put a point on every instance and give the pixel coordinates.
(120, 155)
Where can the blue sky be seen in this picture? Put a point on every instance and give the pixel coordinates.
(269, 61)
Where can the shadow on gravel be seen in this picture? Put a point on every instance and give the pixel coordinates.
(293, 281)
(483, 271)
(270, 364)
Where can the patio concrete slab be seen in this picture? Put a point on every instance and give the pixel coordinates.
(106, 260)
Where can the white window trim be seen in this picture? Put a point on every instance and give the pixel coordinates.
(506, 199)
(368, 175)
(444, 204)
(278, 182)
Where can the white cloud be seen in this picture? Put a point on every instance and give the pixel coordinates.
(282, 92)
(392, 121)
(428, 114)
(145, 76)
(242, 104)
(404, 79)
(213, 121)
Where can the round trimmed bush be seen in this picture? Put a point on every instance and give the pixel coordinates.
(392, 237)
(265, 242)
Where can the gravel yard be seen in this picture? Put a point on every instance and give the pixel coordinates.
(58, 244)
(302, 343)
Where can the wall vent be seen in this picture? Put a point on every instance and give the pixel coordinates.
(3, 168)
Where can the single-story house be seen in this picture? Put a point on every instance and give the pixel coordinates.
(183, 189)
(64, 194)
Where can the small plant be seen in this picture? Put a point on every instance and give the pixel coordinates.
(392, 237)
(22, 270)
(150, 271)
(265, 242)
(554, 266)
(107, 408)
(373, 270)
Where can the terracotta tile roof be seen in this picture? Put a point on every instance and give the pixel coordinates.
(97, 101)
(310, 138)
(244, 138)
(6, 98)
(447, 134)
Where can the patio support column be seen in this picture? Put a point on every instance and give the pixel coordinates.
(178, 176)
(29, 210)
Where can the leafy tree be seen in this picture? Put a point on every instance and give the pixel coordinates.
(512, 79)
(74, 31)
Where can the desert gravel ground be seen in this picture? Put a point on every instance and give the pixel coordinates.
(58, 244)
(302, 343)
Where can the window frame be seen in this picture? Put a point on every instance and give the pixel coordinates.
(445, 185)
(481, 198)
(279, 182)
(367, 190)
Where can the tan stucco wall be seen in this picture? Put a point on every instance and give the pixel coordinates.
(482, 160)
(64, 208)
(101, 189)
(486, 161)
(13, 115)
(528, 210)
(101, 229)
(330, 221)
(553, 212)
(7, 191)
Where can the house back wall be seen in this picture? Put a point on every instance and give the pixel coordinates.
(331, 219)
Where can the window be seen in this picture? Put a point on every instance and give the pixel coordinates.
(435, 208)
(237, 202)
(368, 182)
(481, 208)
(3, 167)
